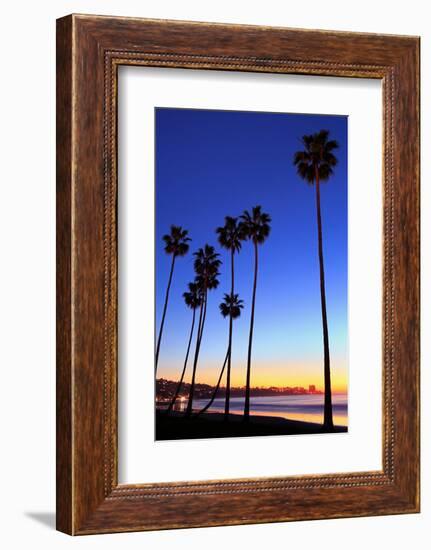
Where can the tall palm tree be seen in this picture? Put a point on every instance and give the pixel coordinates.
(315, 164)
(206, 267)
(176, 244)
(255, 225)
(230, 236)
(230, 307)
(193, 300)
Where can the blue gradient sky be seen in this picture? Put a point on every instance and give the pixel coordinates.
(215, 163)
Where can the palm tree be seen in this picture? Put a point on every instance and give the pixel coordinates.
(206, 267)
(230, 307)
(230, 236)
(193, 300)
(176, 244)
(315, 164)
(256, 228)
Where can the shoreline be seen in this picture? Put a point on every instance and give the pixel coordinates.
(213, 425)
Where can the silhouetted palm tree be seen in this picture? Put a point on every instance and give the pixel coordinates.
(206, 267)
(193, 299)
(176, 244)
(315, 164)
(256, 228)
(230, 307)
(230, 236)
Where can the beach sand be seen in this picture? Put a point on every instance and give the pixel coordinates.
(209, 425)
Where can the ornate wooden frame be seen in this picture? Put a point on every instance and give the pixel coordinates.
(89, 51)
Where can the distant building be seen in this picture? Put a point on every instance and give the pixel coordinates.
(311, 388)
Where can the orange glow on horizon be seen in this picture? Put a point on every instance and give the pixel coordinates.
(277, 374)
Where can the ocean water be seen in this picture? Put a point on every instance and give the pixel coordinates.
(308, 408)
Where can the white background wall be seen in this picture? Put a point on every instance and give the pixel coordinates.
(27, 252)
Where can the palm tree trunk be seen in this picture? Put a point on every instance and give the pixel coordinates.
(327, 415)
(165, 307)
(250, 338)
(229, 361)
(202, 317)
(208, 405)
(172, 403)
(201, 327)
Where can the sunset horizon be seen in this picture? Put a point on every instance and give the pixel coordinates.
(288, 377)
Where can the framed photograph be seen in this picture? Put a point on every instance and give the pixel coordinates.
(237, 274)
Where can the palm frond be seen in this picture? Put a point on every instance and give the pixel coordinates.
(317, 157)
(176, 242)
(231, 306)
(194, 297)
(255, 225)
(231, 234)
(206, 266)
